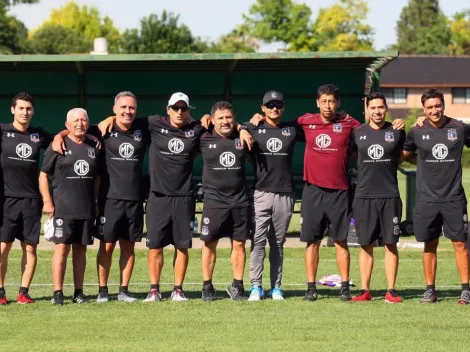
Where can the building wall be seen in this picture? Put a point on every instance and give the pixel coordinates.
(414, 101)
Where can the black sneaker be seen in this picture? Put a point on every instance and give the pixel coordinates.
(58, 299)
(311, 295)
(80, 299)
(345, 294)
(236, 293)
(208, 293)
(430, 296)
(465, 297)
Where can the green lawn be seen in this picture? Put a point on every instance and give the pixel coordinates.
(223, 325)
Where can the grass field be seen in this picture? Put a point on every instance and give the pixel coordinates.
(224, 325)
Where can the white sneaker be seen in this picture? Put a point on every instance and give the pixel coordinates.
(276, 294)
(256, 293)
(178, 296)
(153, 296)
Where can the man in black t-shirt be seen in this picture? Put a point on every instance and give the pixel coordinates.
(377, 206)
(75, 183)
(21, 202)
(120, 201)
(226, 210)
(441, 204)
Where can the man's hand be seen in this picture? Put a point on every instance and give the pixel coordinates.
(48, 208)
(398, 124)
(58, 144)
(106, 126)
(257, 118)
(206, 121)
(246, 138)
(95, 140)
(420, 121)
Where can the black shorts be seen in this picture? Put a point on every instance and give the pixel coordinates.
(21, 220)
(323, 209)
(377, 218)
(120, 220)
(170, 220)
(70, 231)
(229, 222)
(433, 218)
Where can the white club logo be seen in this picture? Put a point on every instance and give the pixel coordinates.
(206, 221)
(126, 150)
(323, 141)
(102, 220)
(59, 222)
(23, 150)
(175, 145)
(395, 220)
(227, 159)
(274, 145)
(440, 151)
(375, 151)
(81, 167)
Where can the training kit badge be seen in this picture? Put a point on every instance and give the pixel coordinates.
(285, 131)
(189, 133)
(337, 128)
(91, 153)
(452, 135)
(389, 137)
(35, 137)
(238, 144)
(138, 135)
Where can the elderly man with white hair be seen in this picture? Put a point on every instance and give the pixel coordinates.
(75, 183)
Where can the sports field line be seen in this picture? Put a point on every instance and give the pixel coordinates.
(214, 283)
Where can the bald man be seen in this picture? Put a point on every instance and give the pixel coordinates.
(75, 181)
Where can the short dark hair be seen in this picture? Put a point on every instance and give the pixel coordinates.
(431, 93)
(375, 95)
(328, 89)
(221, 105)
(22, 96)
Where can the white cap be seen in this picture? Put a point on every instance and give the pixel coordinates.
(49, 229)
(176, 97)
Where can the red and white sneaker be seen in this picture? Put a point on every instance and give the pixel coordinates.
(362, 296)
(392, 297)
(3, 300)
(24, 298)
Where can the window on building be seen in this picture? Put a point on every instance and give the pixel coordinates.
(461, 95)
(395, 95)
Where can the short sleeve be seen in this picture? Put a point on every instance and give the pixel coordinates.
(402, 138)
(409, 144)
(48, 163)
(352, 141)
(47, 138)
(466, 135)
(94, 131)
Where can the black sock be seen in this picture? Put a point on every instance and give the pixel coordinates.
(177, 287)
(465, 287)
(155, 287)
(23, 290)
(103, 288)
(57, 292)
(77, 292)
(344, 284)
(123, 289)
(2, 291)
(311, 285)
(431, 287)
(237, 283)
(207, 282)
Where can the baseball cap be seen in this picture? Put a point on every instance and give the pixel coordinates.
(176, 97)
(273, 95)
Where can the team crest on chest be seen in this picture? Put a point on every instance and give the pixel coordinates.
(285, 131)
(35, 137)
(337, 128)
(91, 153)
(452, 135)
(189, 133)
(389, 137)
(238, 144)
(138, 135)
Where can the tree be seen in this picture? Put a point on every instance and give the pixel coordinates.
(423, 28)
(341, 28)
(13, 34)
(161, 35)
(235, 42)
(460, 33)
(85, 22)
(56, 39)
(5, 4)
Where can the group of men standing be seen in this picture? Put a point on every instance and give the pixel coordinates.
(97, 191)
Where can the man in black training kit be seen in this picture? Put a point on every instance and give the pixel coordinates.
(377, 206)
(75, 183)
(441, 204)
(226, 204)
(22, 205)
(121, 204)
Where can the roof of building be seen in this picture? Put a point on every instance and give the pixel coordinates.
(427, 71)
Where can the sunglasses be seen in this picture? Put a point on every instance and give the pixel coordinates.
(273, 105)
(176, 108)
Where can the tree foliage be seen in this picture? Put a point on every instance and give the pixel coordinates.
(56, 39)
(423, 28)
(13, 34)
(161, 35)
(460, 33)
(5, 4)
